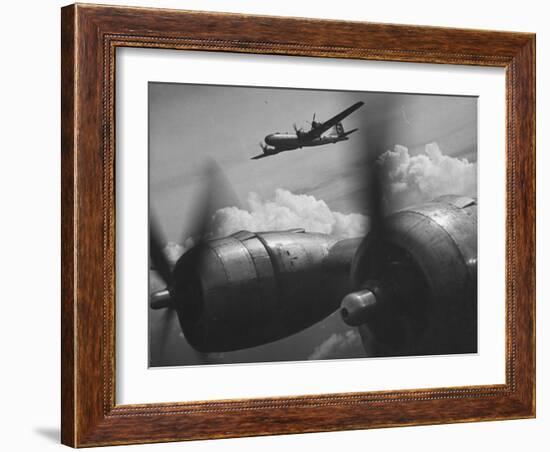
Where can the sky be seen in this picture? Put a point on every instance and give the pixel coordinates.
(426, 145)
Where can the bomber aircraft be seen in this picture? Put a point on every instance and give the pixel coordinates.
(280, 142)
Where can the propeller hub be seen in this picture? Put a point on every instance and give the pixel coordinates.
(357, 306)
(160, 299)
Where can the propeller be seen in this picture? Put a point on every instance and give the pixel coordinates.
(385, 277)
(166, 323)
(374, 196)
(357, 307)
(313, 124)
(296, 129)
(156, 251)
(203, 358)
(215, 194)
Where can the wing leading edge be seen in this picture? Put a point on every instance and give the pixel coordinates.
(260, 156)
(319, 130)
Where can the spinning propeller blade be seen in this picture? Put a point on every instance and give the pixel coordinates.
(375, 196)
(156, 251)
(216, 193)
(166, 327)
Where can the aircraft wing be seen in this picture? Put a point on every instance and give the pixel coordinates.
(260, 156)
(319, 130)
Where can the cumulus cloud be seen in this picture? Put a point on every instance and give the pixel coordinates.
(285, 211)
(173, 251)
(338, 346)
(415, 179)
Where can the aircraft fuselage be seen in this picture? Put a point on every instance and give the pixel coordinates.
(278, 142)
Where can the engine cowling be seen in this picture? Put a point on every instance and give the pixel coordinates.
(249, 289)
(416, 282)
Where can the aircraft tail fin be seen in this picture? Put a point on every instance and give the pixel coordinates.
(339, 131)
(349, 132)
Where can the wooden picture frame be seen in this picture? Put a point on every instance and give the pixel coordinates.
(90, 36)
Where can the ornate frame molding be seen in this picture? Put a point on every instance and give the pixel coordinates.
(90, 37)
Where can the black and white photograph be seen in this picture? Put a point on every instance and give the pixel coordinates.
(296, 224)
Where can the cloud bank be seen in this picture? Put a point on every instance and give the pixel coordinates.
(407, 180)
(416, 179)
(285, 211)
(338, 346)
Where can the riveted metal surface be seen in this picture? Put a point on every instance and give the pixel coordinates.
(254, 288)
(442, 240)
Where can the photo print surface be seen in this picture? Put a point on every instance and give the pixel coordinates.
(293, 224)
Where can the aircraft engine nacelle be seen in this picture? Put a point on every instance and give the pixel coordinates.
(416, 282)
(249, 289)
